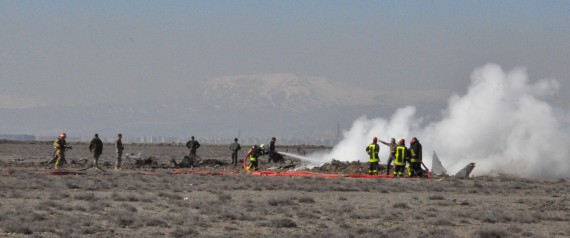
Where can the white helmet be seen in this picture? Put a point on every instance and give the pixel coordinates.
(262, 146)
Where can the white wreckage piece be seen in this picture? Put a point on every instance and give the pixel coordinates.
(132, 156)
(438, 169)
(465, 172)
(436, 166)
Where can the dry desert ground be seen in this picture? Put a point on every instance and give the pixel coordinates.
(130, 203)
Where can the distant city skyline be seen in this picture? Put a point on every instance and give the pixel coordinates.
(315, 141)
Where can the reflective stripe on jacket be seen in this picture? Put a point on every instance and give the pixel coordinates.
(373, 150)
(400, 155)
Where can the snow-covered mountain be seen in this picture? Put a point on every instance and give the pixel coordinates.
(283, 91)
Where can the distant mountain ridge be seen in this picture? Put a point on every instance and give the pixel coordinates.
(256, 105)
(283, 91)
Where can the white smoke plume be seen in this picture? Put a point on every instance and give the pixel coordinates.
(502, 123)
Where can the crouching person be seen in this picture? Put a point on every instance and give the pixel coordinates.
(254, 154)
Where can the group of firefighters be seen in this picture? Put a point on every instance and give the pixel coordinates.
(400, 155)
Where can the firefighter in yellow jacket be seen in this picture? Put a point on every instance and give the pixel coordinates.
(254, 153)
(373, 150)
(60, 147)
(400, 158)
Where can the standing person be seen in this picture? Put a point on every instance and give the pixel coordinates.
(400, 158)
(193, 145)
(373, 150)
(60, 146)
(272, 152)
(392, 146)
(415, 168)
(235, 147)
(96, 148)
(119, 147)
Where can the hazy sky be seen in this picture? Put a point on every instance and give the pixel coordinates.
(92, 52)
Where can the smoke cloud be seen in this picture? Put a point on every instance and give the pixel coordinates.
(502, 123)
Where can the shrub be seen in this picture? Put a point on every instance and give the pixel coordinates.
(153, 221)
(436, 197)
(283, 223)
(443, 221)
(172, 196)
(401, 205)
(58, 195)
(183, 232)
(46, 205)
(487, 232)
(306, 199)
(17, 227)
(307, 215)
(281, 201)
(72, 185)
(224, 197)
(84, 196)
(129, 208)
(124, 221)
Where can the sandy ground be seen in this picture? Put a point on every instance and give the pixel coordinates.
(130, 204)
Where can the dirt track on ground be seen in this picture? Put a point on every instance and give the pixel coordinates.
(129, 203)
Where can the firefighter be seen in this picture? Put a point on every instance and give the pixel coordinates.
(373, 150)
(392, 146)
(415, 168)
(119, 148)
(96, 148)
(400, 158)
(193, 145)
(60, 146)
(254, 153)
(235, 147)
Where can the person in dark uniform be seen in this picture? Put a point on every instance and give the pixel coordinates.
(415, 168)
(392, 146)
(373, 150)
(119, 147)
(96, 148)
(235, 147)
(193, 145)
(272, 152)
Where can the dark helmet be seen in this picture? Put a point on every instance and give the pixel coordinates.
(375, 139)
(62, 135)
(402, 142)
(413, 140)
(235, 139)
(254, 147)
(392, 140)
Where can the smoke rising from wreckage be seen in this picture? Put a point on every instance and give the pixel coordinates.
(502, 123)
